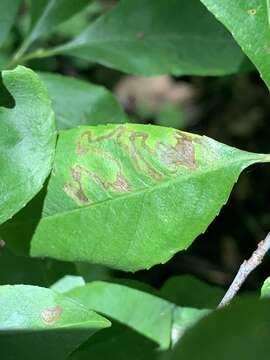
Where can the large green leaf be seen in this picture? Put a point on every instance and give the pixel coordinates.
(8, 11)
(248, 22)
(27, 140)
(131, 196)
(37, 323)
(151, 316)
(76, 102)
(239, 331)
(156, 36)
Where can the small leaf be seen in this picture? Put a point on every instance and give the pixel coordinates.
(27, 141)
(37, 323)
(77, 102)
(8, 11)
(239, 331)
(131, 196)
(118, 342)
(153, 37)
(248, 22)
(265, 291)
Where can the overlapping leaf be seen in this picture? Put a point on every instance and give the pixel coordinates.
(151, 316)
(39, 323)
(77, 102)
(27, 140)
(131, 196)
(238, 331)
(248, 21)
(156, 36)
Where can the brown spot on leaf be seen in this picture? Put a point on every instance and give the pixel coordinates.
(252, 12)
(121, 184)
(183, 153)
(75, 189)
(50, 315)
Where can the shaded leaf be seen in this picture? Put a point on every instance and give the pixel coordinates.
(131, 196)
(154, 37)
(8, 11)
(237, 331)
(188, 291)
(77, 102)
(248, 22)
(27, 141)
(25, 270)
(119, 342)
(54, 324)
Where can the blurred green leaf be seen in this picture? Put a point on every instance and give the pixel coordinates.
(136, 185)
(77, 102)
(27, 140)
(37, 323)
(25, 270)
(172, 115)
(46, 14)
(8, 12)
(248, 22)
(239, 331)
(154, 37)
(188, 291)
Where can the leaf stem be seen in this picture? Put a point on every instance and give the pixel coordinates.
(245, 269)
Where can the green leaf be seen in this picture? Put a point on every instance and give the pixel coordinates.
(145, 313)
(77, 102)
(27, 140)
(67, 283)
(151, 316)
(37, 323)
(265, 291)
(188, 291)
(8, 11)
(131, 196)
(46, 14)
(248, 22)
(153, 37)
(237, 331)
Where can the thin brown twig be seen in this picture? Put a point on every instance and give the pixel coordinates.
(245, 269)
